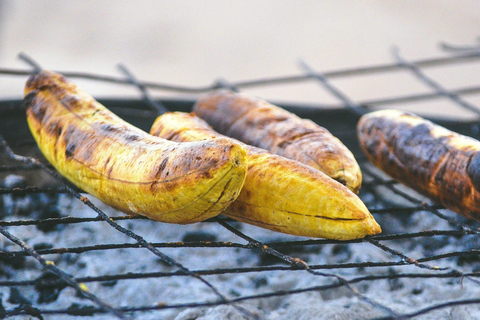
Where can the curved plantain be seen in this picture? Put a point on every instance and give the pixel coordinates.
(282, 194)
(261, 124)
(436, 162)
(125, 167)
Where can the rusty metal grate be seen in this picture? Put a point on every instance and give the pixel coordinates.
(421, 240)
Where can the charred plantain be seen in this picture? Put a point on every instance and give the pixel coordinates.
(261, 124)
(282, 194)
(436, 162)
(125, 167)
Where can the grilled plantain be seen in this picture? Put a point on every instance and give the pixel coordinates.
(436, 162)
(282, 194)
(125, 167)
(259, 123)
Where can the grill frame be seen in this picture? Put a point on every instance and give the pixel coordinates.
(12, 120)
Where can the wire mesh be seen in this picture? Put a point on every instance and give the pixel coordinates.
(421, 243)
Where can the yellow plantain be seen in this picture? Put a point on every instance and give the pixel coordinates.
(264, 125)
(125, 167)
(282, 194)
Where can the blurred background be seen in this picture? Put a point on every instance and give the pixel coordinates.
(194, 43)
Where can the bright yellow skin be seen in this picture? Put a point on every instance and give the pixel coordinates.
(282, 194)
(126, 167)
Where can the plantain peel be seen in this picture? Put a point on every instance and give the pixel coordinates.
(280, 194)
(259, 123)
(125, 167)
(440, 164)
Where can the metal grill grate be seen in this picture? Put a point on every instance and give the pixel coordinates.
(421, 240)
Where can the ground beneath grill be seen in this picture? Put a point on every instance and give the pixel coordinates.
(404, 295)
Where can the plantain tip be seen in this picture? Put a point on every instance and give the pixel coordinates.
(43, 80)
(374, 228)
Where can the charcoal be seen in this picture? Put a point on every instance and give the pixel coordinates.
(266, 259)
(110, 283)
(3, 312)
(17, 298)
(394, 283)
(470, 259)
(48, 212)
(48, 293)
(199, 236)
(30, 310)
(42, 246)
(341, 252)
(260, 282)
(16, 263)
(81, 310)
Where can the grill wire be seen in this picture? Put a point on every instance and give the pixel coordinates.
(380, 193)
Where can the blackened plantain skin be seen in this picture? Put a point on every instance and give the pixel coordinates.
(436, 162)
(259, 123)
